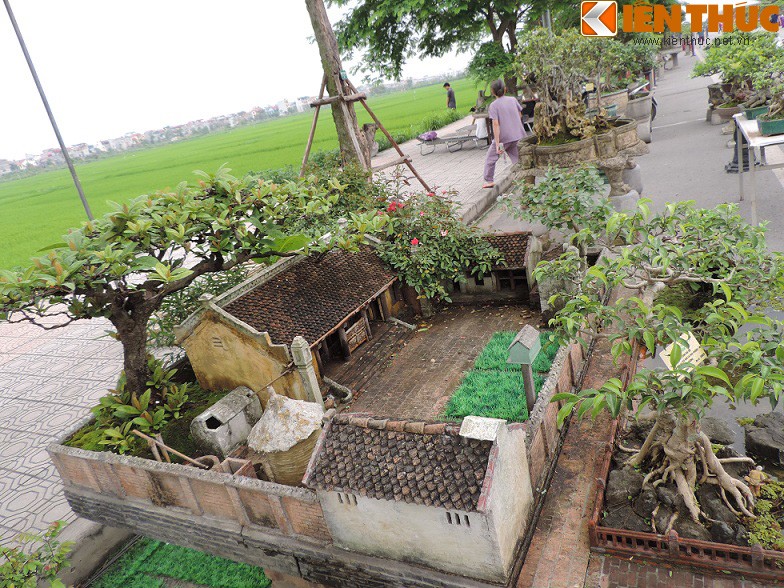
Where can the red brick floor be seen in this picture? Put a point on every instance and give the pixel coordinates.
(560, 556)
(423, 374)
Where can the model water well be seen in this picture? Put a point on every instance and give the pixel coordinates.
(226, 424)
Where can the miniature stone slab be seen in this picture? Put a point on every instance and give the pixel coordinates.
(285, 423)
(525, 346)
(481, 428)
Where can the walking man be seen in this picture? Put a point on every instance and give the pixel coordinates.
(505, 112)
(450, 96)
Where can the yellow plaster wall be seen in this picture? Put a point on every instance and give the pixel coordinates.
(224, 358)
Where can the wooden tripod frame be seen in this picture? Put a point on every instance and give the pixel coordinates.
(344, 100)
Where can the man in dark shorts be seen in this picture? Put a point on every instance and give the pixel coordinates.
(450, 96)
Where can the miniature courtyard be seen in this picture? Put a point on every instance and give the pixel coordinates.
(413, 374)
(337, 416)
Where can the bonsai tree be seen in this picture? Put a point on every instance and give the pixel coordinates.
(565, 200)
(737, 59)
(429, 246)
(125, 264)
(557, 66)
(709, 252)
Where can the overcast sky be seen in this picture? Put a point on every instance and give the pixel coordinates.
(110, 67)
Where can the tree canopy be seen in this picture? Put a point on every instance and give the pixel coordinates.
(124, 265)
(389, 32)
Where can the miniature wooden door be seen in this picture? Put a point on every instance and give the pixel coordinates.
(356, 334)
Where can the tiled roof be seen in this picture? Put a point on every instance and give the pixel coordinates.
(403, 461)
(512, 246)
(313, 296)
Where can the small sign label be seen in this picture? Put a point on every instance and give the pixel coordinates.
(692, 353)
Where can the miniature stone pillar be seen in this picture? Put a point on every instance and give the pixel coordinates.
(303, 360)
(523, 351)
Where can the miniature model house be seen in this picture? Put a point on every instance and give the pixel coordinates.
(452, 497)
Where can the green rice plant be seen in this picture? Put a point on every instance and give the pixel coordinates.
(150, 564)
(494, 388)
(36, 211)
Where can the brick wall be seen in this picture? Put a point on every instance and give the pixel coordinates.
(237, 500)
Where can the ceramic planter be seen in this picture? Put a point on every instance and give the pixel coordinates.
(771, 127)
(727, 112)
(605, 145)
(566, 155)
(640, 108)
(625, 133)
(753, 113)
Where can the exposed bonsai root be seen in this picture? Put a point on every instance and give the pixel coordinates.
(625, 449)
(675, 449)
(671, 522)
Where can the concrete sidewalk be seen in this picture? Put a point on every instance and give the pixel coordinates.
(460, 171)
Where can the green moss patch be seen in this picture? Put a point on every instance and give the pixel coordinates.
(494, 388)
(150, 564)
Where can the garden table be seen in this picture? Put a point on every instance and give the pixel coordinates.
(755, 141)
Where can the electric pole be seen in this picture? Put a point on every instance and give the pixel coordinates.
(67, 157)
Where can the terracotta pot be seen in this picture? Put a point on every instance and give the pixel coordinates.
(727, 112)
(566, 155)
(625, 133)
(605, 145)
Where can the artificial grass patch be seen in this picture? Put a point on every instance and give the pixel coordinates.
(494, 388)
(149, 563)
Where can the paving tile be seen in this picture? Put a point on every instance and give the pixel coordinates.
(24, 453)
(39, 417)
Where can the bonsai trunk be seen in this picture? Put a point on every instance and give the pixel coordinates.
(132, 332)
(677, 450)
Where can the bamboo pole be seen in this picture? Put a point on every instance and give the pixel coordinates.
(389, 137)
(313, 128)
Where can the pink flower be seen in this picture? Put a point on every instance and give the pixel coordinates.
(444, 233)
(415, 241)
(421, 213)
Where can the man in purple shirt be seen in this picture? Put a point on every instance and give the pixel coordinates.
(505, 112)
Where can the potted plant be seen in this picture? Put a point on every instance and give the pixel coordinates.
(711, 352)
(569, 202)
(770, 81)
(557, 66)
(738, 60)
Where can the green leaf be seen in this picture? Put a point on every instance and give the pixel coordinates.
(675, 355)
(60, 245)
(714, 372)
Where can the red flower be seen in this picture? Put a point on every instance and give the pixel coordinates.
(415, 241)
(431, 193)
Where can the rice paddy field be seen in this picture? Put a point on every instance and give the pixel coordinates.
(494, 388)
(36, 211)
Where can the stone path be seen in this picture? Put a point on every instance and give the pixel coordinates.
(48, 381)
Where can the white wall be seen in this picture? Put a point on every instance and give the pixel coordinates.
(511, 496)
(416, 534)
